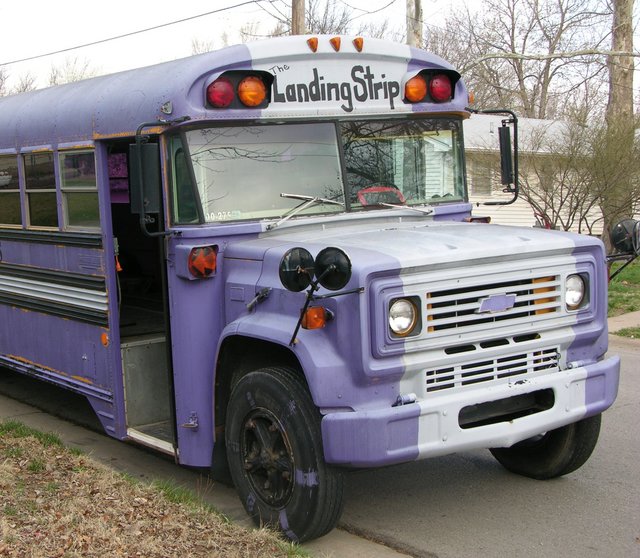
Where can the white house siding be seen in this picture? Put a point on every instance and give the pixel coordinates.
(483, 167)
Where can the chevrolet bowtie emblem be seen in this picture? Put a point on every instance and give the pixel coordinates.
(496, 303)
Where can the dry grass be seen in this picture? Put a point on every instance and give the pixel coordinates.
(57, 503)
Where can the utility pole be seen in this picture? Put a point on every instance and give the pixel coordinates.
(414, 23)
(297, 17)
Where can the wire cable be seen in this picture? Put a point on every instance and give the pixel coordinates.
(124, 35)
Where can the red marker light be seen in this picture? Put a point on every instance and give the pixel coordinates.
(440, 88)
(202, 261)
(220, 93)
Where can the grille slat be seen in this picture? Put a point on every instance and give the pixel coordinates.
(493, 369)
(465, 307)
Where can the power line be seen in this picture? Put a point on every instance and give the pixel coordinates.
(132, 33)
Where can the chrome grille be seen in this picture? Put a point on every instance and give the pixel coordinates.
(474, 305)
(492, 369)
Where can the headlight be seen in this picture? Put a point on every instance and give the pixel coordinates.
(403, 317)
(574, 291)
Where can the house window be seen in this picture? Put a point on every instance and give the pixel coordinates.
(79, 189)
(9, 191)
(40, 184)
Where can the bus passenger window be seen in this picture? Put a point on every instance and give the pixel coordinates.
(79, 189)
(42, 207)
(9, 191)
(185, 210)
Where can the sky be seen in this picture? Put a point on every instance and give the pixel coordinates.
(36, 27)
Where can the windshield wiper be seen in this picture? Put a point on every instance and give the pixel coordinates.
(423, 210)
(308, 202)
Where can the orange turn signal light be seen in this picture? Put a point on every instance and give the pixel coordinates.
(202, 261)
(315, 317)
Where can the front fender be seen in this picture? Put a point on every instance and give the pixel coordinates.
(327, 373)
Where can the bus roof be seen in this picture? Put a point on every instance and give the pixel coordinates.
(304, 84)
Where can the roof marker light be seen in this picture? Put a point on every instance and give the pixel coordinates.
(358, 42)
(335, 43)
(313, 43)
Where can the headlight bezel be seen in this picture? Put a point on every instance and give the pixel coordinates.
(576, 297)
(414, 321)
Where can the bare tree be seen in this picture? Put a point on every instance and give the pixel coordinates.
(200, 46)
(531, 55)
(4, 76)
(618, 141)
(330, 17)
(73, 69)
(568, 170)
(26, 82)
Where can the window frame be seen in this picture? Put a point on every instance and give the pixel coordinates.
(65, 191)
(14, 155)
(24, 154)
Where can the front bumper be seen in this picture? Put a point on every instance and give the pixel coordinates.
(430, 427)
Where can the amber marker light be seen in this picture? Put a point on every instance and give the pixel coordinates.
(314, 318)
(251, 91)
(202, 261)
(104, 339)
(335, 43)
(313, 43)
(415, 89)
(358, 42)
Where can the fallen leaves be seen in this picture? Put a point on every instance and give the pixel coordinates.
(54, 503)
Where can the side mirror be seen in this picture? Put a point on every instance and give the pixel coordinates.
(625, 237)
(146, 185)
(506, 155)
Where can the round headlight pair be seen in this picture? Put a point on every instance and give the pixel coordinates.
(403, 317)
(575, 291)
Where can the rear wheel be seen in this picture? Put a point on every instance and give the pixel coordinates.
(553, 454)
(274, 449)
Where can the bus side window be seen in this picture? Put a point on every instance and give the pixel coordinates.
(186, 202)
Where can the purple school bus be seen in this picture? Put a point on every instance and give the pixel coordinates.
(264, 259)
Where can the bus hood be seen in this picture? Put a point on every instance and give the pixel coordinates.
(411, 245)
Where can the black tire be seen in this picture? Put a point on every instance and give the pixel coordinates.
(275, 454)
(553, 454)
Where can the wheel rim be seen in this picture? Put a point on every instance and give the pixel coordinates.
(267, 457)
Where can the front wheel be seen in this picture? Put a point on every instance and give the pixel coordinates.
(553, 454)
(275, 454)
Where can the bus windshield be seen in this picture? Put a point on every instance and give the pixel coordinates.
(264, 171)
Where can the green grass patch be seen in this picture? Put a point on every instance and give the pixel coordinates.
(19, 430)
(624, 290)
(630, 332)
